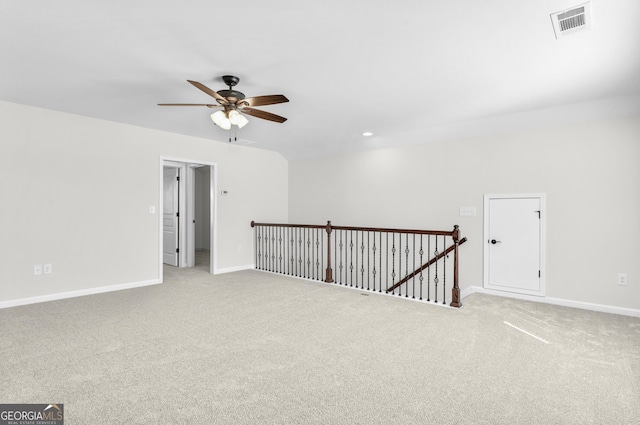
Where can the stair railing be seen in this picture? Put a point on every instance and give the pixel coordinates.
(402, 262)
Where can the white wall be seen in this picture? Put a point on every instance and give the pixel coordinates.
(590, 173)
(76, 193)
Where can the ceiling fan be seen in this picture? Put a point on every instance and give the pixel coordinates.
(235, 104)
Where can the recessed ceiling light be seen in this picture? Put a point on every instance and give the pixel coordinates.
(367, 134)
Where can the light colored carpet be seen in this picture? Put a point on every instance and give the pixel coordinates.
(257, 348)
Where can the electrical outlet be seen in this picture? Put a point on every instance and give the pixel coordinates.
(622, 279)
(48, 269)
(37, 269)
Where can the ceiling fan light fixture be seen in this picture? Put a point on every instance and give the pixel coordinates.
(236, 118)
(220, 119)
(242, 121)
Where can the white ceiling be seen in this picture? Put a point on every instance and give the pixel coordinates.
(412, 71)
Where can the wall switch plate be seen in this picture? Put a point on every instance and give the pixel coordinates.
(622, 279)
(467, 211)
(47, 269)
(152, 209)
(37, 270)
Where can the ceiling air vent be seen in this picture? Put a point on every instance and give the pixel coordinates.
(571, 20)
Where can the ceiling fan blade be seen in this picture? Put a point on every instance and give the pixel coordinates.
(210, 92)
(208, 105)
(264, 115)
(264, 100)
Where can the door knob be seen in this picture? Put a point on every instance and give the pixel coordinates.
(493, 241)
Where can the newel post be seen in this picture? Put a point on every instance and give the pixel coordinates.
(329, 271)
(455, 292)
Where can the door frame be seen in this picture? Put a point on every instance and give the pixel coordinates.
(185, 185)
(485, 250)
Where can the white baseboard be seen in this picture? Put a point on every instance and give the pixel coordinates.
(78, 293)
(554, 301)
(234, 269)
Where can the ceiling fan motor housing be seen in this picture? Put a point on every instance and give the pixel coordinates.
(231, 93)
(231, 81)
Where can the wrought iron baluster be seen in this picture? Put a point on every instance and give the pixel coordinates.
(298, 251)
(406, 252)
(258, 251)
(304, 253)
(341, 265)
(429, 269)
(269, 248)
(285, 253)
(362, 262)
(265, 236)
(387, 262)
(413, 267)
(356, 267)
(294, 236)
(292, 252)
(273, 249)
(351, 260)
(309, 254)
(380, 286)
(435, 255)
(318, 253)
(373, 254)
(264, 247)
(271, 229)
(393, 260)
(421, 277)
(280, 249)
(300, 255)
(400, 262)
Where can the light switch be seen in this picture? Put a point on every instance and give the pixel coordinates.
(467, 211)
(152, 209)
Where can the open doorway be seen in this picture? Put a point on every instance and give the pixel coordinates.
(201, 223)
(187, 224)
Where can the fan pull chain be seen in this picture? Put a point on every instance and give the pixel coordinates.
(235, 135)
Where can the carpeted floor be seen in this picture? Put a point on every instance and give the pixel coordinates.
(257, 348)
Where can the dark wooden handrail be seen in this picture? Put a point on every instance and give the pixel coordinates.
(305, 226)
(362, 229)
(427, 264)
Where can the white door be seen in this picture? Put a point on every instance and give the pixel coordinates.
(513, 243)
(170, 216)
